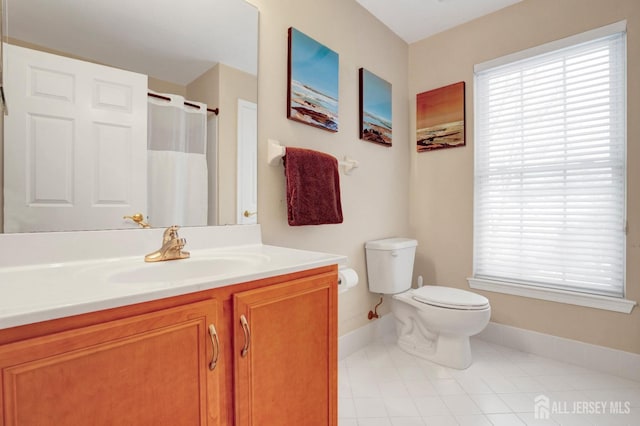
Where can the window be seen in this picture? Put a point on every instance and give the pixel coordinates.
(550, 166)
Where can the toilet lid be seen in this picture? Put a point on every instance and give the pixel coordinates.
(448, 297)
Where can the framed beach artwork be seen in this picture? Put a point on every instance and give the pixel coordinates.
(375, 109)
(440, 118)
(312, 93)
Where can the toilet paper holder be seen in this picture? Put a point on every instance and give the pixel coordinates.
(347, 278)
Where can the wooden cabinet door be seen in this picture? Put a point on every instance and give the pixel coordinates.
(288, 375)
(151, 369)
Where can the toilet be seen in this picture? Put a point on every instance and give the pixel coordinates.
(433, 322)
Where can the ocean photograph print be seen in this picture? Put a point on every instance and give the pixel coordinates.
(312, 91)
(375, 109)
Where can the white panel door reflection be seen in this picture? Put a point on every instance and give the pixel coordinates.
(75, 145)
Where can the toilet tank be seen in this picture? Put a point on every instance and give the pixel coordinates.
(390, 264)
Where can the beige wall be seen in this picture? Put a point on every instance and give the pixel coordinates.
(374, 196)
(428, 196)
(206, 89)
(442, 181)
(234, 85)
(221, 87)
(162, 86)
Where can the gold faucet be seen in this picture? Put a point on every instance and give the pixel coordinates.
(171, 249)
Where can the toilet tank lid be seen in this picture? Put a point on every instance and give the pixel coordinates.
(391, 244)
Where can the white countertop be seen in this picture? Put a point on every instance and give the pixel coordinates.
(34, 292)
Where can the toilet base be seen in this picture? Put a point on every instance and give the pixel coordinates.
(449, 351)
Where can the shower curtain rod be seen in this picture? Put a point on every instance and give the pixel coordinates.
(153, 95)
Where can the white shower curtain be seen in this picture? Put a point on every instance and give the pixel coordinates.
(177, 163)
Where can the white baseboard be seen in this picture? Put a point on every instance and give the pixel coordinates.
(382, 329)
(599, 358)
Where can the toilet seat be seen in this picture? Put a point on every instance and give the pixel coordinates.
(450, 298)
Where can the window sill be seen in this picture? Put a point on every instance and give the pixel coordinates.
(591, 300)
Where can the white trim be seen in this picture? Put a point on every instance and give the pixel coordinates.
(383, 329)
(599, 358)
(596, 33)
(562, 296)
(246, 163)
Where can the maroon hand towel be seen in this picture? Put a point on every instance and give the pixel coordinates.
(313, 187)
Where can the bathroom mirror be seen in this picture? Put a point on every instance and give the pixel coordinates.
(193, 52)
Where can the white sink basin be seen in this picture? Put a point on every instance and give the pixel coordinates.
(202, 266)
(45, 276)
(186, 269)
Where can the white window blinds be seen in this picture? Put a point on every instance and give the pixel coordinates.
(550, 166)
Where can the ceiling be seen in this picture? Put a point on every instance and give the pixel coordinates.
(414, 20)
(178, 44)
(169, 40)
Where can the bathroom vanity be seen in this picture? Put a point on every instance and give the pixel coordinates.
(253, 344)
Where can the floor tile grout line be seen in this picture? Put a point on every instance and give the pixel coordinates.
(516, 358)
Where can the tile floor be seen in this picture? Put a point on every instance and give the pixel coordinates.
(381, 385)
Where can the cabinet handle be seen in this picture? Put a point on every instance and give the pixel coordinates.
(215, 343)
(247, 336)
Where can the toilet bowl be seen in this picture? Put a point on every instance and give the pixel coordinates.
(433, 322)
